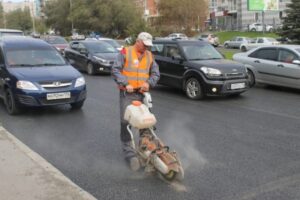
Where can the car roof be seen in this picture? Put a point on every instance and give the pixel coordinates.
(176, 41)
(10, 30)
(284, 46)
(22, 42)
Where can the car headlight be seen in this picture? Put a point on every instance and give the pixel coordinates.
(211, 71)
(26, 85)
(79, 82)
(102, 61)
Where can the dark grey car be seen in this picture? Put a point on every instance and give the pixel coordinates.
(198, 68)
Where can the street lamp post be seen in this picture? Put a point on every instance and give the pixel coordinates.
(72, 24)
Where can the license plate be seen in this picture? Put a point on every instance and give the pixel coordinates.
(61, 95)
(235, 86)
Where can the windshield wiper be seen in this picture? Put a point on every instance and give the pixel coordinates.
(23, 65)
(51, 64)
(213, 58)
(197, 59)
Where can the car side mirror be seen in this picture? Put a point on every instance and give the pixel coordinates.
(297, 62)
(83, 51)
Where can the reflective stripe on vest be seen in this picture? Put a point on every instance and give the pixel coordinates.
(137, 71)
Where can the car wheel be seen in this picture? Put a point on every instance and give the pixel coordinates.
(10, 103)
(243, 49)
(253, 30)
(194, 89)
(90, 69)
(270, 30)
(226, 46)
(251, 78)
(77, 105)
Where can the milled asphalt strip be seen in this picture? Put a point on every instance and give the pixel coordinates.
(51, 171)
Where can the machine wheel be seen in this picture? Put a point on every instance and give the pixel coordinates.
(194, 89)
(226, 46)
(251, 78)
(243, 49)
(90, 69)
(10, 103)
(77, 105)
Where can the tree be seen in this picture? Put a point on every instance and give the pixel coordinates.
(179, 15)
(112, 18)
(291, 23)
(19, 19)
(2, 23)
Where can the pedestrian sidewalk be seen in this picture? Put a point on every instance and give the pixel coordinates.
(26, 175)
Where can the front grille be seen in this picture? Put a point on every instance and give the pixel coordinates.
(235, 75)
(27, 100)
(56, 84)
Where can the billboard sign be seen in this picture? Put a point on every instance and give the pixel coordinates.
(263, 5)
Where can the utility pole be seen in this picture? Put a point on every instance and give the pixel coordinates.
(72, 23)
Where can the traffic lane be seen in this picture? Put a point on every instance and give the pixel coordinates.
(245, 145)
(222, 152)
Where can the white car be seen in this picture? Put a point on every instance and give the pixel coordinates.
(177, 36)
(76, 36)
(259, 27)
(257, 42)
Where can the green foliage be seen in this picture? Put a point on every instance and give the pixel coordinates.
(1, 16)
(115, 18)
(19, 19)
(40, 26)
(291, 23)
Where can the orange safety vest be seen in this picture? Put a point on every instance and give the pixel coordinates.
(137, 71)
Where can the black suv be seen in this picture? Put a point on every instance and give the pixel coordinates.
(198, 68)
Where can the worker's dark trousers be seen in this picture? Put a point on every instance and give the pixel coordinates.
(125, 100)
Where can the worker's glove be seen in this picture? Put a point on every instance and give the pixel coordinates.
(145, 87)
(129, 88)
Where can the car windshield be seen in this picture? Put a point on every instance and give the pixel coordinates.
(201, 52)
(101, 47)
(34, 57)
(57, 40)
(112, 43)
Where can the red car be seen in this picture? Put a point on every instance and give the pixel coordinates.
(58, 42)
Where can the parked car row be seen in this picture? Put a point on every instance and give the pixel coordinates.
(245, 43)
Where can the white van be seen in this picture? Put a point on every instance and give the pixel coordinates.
(10, 32)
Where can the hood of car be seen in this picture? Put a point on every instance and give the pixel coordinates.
(107, 56)
(221, 64)
(51, 73)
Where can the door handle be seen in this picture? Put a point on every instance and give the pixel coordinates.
(257, 61)
(280, 66)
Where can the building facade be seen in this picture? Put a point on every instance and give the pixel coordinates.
(234, 15)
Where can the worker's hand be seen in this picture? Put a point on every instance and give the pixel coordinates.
(129, 88)
(145, 87)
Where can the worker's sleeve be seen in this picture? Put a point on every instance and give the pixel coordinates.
(154, 74)
(119, 78)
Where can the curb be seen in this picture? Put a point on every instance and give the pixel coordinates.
(45, 165)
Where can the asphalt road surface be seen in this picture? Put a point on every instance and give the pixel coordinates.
(236, 148)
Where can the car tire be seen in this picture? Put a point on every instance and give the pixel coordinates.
(270, 30)
(77, 105)
(226, 46)
(243, 49)
(194, 89)
(253, 30)
(90, 69)
(10, 103)
(251, 78)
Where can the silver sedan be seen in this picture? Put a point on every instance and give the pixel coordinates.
(274, 65)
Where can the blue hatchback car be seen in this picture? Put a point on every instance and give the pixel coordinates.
(33, 73)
